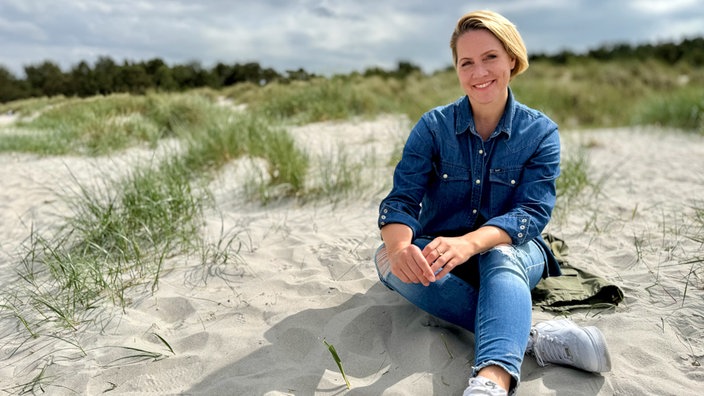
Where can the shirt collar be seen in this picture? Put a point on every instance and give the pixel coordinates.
(465, 121)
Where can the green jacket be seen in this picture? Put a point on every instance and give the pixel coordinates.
(575, 288)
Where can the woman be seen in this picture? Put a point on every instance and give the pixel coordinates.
(462, 225)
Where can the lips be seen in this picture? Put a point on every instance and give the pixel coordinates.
(483, 85)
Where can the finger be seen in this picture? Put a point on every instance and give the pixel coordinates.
(425, 267)
(421, 270)
(439, 264)
(432, 247)
(402, 274)
(433, 253)
(405, 271)
(449, 266)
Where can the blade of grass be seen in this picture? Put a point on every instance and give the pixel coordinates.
(337, 359)
(165, 343)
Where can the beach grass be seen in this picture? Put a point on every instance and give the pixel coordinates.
(101, 125)
(682, 109)
(116, 236)
(593, 94)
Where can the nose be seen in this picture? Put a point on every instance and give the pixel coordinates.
(480, 70)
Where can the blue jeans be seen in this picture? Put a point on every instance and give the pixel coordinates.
(498, 313)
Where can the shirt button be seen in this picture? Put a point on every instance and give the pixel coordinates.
(521, 227)
(481, 151)
(382, 223)
(384, 218)
(474, 211)
(444, 176)
(513, 182)
(478, 181)
(386, 211)
(520, 235)
(523, 220)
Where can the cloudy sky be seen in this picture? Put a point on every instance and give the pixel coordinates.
(321, 36)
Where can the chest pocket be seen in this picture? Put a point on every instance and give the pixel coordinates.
(503, 183)
(447, 172)
(507, 177)
(451, 186)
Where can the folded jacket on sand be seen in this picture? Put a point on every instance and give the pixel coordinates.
(575, 288)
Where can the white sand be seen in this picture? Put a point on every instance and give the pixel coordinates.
(255, 325)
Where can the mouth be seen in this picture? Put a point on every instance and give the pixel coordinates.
(483, 85)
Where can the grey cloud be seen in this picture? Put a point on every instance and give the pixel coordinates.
(322, 36)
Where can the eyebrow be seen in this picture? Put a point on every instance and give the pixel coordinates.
(480, 55)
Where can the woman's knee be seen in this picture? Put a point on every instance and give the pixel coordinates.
(502, 259)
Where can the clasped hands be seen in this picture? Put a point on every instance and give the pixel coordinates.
(437, 259)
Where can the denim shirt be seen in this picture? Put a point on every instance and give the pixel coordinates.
(450, 182)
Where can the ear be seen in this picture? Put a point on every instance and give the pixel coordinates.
(513, 63)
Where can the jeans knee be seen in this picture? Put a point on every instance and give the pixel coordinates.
(502, 259)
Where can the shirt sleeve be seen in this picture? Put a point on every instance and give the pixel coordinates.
(403, 204)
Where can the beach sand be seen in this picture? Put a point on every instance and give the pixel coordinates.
(256, 323)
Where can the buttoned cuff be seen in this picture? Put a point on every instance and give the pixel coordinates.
(518, 227)
(389, 215)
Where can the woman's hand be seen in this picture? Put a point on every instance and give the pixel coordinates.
(409, 265)
(406, 260)
(447, 253)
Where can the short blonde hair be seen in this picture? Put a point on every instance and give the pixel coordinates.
(503, 29)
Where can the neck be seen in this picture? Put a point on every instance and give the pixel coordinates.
(487, 116)
(486, 122)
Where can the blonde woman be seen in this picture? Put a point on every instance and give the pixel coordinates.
(471, 195)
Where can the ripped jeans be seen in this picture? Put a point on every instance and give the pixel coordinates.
(498, 313)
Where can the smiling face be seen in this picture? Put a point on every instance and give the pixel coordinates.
(483, 67)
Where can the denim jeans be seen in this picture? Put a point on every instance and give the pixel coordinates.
(498, 313)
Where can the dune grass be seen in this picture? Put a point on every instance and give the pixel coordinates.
(592, 94)
(101, 125)
(682, 109)
(117, 235)
(28, 107)
(346, 97)
(582, 94)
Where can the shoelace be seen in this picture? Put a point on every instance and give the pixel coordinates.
(547, 348)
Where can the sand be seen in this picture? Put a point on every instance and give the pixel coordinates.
(256, 324)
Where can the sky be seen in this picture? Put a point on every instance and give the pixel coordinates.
(321, 36)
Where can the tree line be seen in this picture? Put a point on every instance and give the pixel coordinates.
(690, 51)
(106, 76)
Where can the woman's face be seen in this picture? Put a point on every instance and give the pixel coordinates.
(483, 67)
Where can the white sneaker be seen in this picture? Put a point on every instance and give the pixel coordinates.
(480, 386)
(564, 342)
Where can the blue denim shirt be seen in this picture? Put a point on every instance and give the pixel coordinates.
(450, 182)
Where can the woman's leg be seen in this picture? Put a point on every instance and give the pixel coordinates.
(506, 275)
(450, 298)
